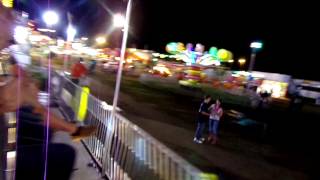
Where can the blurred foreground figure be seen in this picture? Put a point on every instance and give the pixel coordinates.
(37, 158)
(27, 95)
(18, 92)
(6, 30)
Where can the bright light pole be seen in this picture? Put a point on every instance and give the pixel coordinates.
(50, 18)
(118, 81)
(255, 47)
(71, 33)
(119, 21)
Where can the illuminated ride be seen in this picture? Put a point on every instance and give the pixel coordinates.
(144, 56)
(196, 55)
(272, 83)
(193, 77)
(161, 70)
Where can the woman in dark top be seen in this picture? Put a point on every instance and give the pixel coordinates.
(203, 117)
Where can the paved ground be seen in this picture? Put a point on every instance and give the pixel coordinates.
(81, 169)
(236, 157)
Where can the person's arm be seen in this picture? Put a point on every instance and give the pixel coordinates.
(221, 112)
(73, 70)
(84, 69)
(205, 113)
(52, 120)
(21, 91)
(9, 97)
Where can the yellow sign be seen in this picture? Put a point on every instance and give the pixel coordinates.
(83, 104)
(208, 176)
(7, 3)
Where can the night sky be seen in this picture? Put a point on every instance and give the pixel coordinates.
(286, 29)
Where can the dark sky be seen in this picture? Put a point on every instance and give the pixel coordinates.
(286, 29)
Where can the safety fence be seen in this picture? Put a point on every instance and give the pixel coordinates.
(122, 149)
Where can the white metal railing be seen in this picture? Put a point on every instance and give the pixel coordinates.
(130, 152)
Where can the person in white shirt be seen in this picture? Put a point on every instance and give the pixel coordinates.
(216, 112)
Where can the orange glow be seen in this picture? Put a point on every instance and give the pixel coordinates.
(162, 69)
(242, 61)
(30, 24)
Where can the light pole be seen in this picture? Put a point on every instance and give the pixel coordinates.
(71, 33)
(120, 21)
(113, 120)
(50, 18)
(255, 47)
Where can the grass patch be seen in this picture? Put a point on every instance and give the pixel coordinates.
(155, 90)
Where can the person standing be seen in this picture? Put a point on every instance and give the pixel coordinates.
(92, 66)
(215, 115)
(78, 71)
(203, 117)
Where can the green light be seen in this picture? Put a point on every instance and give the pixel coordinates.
(256, 45)
(213, 51)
